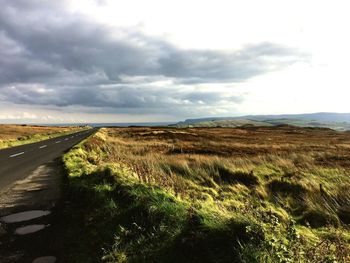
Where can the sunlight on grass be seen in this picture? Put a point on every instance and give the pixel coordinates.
(213, 195)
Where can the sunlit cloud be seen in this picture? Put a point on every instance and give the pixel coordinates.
(64, 57)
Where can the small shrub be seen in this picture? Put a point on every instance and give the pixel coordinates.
(344, 214)
(232, 177)
(317, 218)
(286, 187)
(274, 247)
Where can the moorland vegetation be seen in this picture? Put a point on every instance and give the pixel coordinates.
(253, 194)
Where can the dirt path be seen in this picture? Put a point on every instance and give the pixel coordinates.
(29, 235)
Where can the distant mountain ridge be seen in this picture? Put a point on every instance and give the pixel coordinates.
(321, 116)
(337, 121)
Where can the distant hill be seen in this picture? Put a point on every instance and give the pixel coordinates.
(336, 121)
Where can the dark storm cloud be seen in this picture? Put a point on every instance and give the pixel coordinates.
(119, 97)
(51, 57)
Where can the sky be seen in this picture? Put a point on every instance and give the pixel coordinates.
(159, 60)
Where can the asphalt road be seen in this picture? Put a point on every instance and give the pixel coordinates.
(18, 162)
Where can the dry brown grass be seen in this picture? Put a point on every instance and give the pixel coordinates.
(183, 159)
(12, 134)
(237, 141)
(269, 176)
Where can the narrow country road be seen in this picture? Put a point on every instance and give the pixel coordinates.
(31, 178)
(18, 162)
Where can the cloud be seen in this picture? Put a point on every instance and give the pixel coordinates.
(49, 56)
(121, 99)
(23, 115)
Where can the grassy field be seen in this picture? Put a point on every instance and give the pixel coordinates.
(254, 194)
(13, 135)
(339, 126)
(221, 123)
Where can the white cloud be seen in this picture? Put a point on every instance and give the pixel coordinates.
(158, 59)
(318, 27)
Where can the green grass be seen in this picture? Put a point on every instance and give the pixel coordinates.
(131, 205)
(33, 138)
(131, 216)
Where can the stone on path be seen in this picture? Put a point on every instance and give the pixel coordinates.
(47, 259)
(24, 216)
(25, 230)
